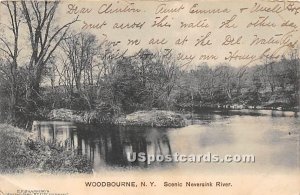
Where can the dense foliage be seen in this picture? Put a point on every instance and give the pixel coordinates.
(19, 153)
(74, 70)
(146, 82)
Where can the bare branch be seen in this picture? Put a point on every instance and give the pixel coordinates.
(9, 52)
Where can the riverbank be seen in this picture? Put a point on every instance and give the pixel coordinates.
(20, 151)
(153, 118)
(64, 114)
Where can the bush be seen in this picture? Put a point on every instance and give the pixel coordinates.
(19, 152)
(12, 151)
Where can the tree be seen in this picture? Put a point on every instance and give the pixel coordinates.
(166, 77)
(44, 36)
(158, 72)
(81, 51)
(11, 52)
(226, 83)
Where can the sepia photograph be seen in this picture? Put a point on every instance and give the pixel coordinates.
(149, 96)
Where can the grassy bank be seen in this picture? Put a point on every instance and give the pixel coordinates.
(20, 152)
(153, 118)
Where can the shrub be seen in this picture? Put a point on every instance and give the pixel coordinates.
(19, 152)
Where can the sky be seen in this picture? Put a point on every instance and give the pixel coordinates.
(174, 32)
(233, 53)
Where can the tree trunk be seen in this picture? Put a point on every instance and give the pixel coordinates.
(12, 105)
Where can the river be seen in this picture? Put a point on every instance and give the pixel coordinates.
(272, 137)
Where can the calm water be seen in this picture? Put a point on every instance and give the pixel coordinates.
(273, 137)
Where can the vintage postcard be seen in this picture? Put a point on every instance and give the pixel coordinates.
(149, 97)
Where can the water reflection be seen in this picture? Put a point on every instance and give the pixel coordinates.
(63, 133)
(273, 140)
(107, 145)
